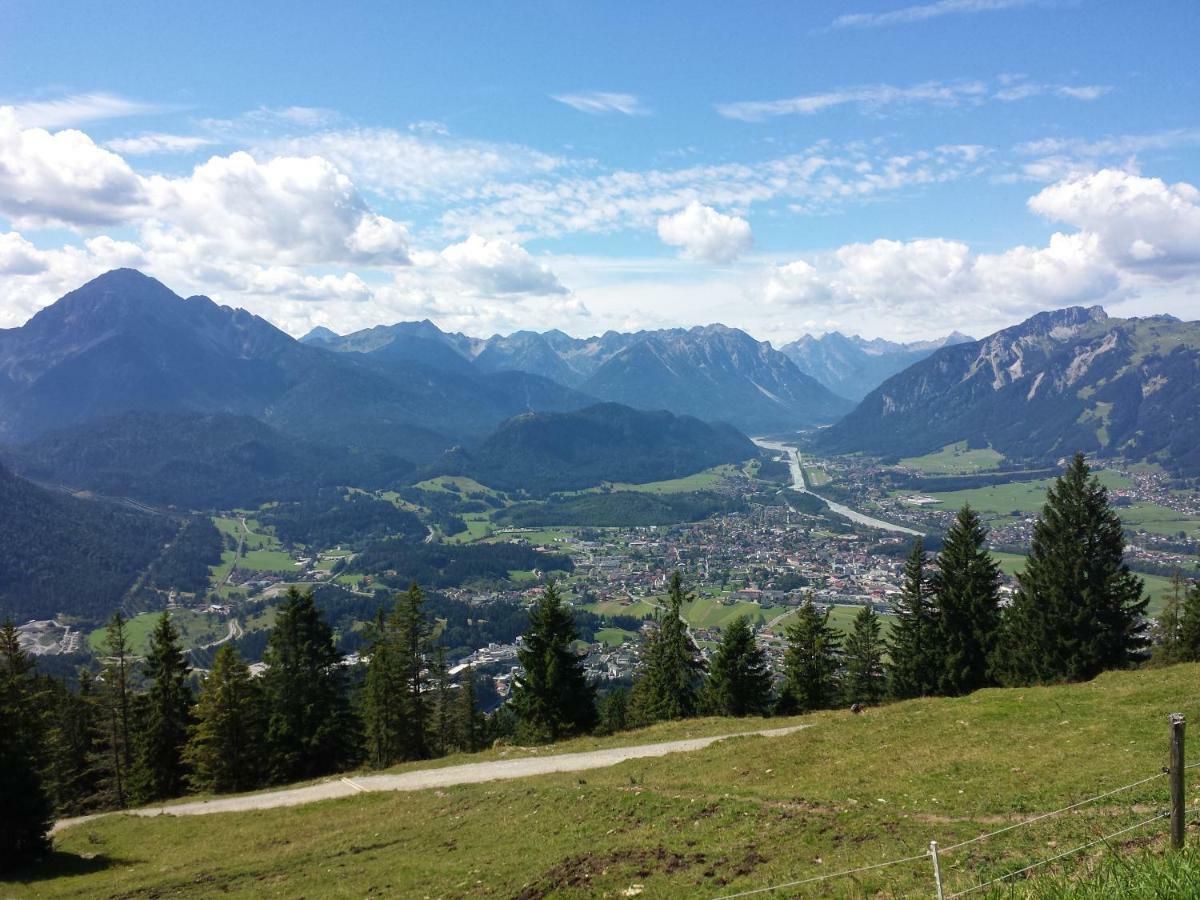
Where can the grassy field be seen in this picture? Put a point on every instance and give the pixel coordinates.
(615, 637)
(954, 459)
(815, 476)
(850, 791)
(701, 481)
(194, 629)
(448, 484)
(1023, 497)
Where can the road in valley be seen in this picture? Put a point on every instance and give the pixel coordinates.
(799, 486)
(424, 779)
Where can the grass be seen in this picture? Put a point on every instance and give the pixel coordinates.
(738, 815)
(955, 459)
(700, 481)
(615, 637)
(1025, 498)
(194, 629)
(464, 485)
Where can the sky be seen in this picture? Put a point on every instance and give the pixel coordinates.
(890, 168)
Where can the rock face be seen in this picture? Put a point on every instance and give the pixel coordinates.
(1067, 380)
(853, 366)
(712, 372)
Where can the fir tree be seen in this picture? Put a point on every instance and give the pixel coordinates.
(1189, 625)
(25, 821)
(384, 697)
(966, 583)
(443, 710)
(672, 671)
(1168, 626)
(811, 664)
(468, 728)
(913, 645)
(73, 732)
(865, 680)
(614, 711)
(225, 746)
(309, 729)
(412, 630)
(739, 682)
(114, 752)
(160, 771)
(1078, 609)
(552, 699)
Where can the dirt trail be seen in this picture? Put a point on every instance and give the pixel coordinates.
(423, 779)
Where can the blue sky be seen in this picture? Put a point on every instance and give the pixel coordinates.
(890, 168)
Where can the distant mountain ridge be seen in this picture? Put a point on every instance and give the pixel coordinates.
(712, 372)
(853, 366)
(1066, 380)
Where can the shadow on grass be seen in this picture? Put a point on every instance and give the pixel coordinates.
(59, 864)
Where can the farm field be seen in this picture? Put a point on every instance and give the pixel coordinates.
(1022, 497)
(739, 815)
(195, 629)
(954, 459)
(700, 481)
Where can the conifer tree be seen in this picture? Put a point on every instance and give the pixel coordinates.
(114, 751)
(225, 746)
(811, 664)
(739, 681)
(25, 820)
(966, 582)
(865, 679)
(412, 630)
(1078, 609)
(1168, 627)
(913, 645)
(1189, 625)
(160, 771)
(384, 697)
(552, 699)
(73, 732)
(672, 671)
(443, 710)
(614, 711)
(468, 728)
(309, 729)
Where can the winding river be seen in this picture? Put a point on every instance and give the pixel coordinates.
(798, 484)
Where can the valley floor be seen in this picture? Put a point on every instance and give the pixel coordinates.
(734, 815)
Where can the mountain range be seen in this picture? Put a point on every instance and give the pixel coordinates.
(1062, 381)
(852, 366)
(712, 372)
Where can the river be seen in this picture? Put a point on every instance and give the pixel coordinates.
(798, 484)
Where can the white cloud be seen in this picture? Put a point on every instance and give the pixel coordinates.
(79, 109)
(704, 233)
(62, 178)
(922, 12)
(1135, 237)
(158, 142)
(603, 102)
(499, 267)
(876, 98)
(19, 257)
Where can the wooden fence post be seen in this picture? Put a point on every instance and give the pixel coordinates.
(1175, 774)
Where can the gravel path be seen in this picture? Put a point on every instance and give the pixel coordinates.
(422, 779)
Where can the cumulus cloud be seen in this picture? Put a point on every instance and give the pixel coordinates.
(1133, 233)
(703, 233)
(599, 103)
(496, 266)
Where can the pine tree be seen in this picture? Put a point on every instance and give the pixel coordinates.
(552, 699)
(966, 582)
(225, 747)
(913, 645)
(309, 728)
(25, 821)
(412, 631)
(614, 711)
(739, 681)
(1078, 609)
(1189, 625)
(672, 671)
(160, 771)
(443, 710)
(73, 732)
(468, 729)
(865, 680)
(114, 750)
(1168, 626)
(384, 697)
(811, 664)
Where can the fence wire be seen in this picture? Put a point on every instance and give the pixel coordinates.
(845, 872)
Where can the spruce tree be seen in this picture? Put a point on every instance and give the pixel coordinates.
(114, 750)
(1168, 626)
(1078, 609)
(913, 644)
(73, 732)
(865, 680)
(384, 697)
(159, 771)
(412, 631)
(811, 664)
(225, 748)
(966, 582)
(468, 728)
(309, 729)
(614, 711)
(25, 820)
(672, 671)
(1189, 625)
(552, 699)
(739, 681)
(443, 710)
